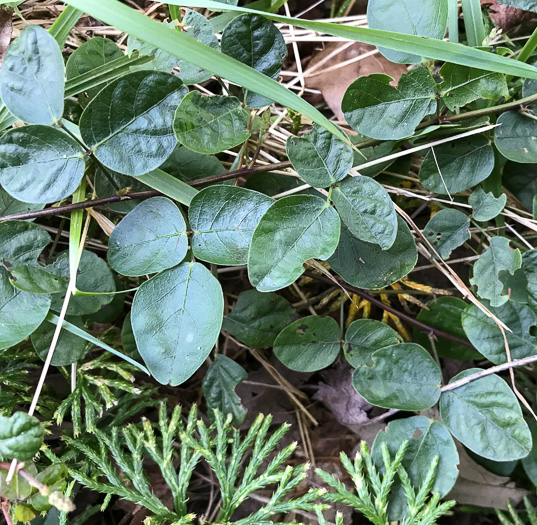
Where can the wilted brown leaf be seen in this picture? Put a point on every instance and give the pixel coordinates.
(506, 17)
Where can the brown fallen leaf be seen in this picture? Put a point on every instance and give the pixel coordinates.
(506, 17)
(334, 76)
(6, 29)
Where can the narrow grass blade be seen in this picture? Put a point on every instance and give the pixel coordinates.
(427, 47)
(453, 20)
(62, 26)
(180, 45)
(174, 188)
(473, 22)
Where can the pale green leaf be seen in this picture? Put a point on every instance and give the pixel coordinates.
(485, 206)
(447, 230)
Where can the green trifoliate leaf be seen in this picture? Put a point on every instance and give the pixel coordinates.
(128, 125)
(210, 124)
(308, 344)
(485, 416)
(219, 387)
(40, 164)
(258, 43)
(426, 440)
(367, 266)
(21, 242)
(364, 337)
(10, 205)
(498, 257)
(458, 166)
(487, 337)
(448, 229)
(402, 376)
(526, 5)
(485, 205)
(319, 157)
(151, 238)
(367, 210)
(93, 275)
(258, 318)
(32, 79)
(223, 220)
(187, 165)
(94, 53)
(426, 18)
(380, 111)
(176, 319)
(21, 436)
(20, 312)
(516, 137)
(293, 230)
(445, 313)
(463, 85)
(69, 348)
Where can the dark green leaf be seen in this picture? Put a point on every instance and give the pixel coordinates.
(462, 164)
(96, 52)
(176, 319)
(21, 242)
(516, 137)
(151, 238)
(69, 348)
(496, 258)
(34, 278)
(308, 344)
(521, 181)
(445, 313)
(93, 276)
(380, 111)
(293, 230)
(187, 165)
(21, 436)
(367, 266)
(448, 229)
(485, 416)
(109, 183)
(210, 124)
(9, 205)
(367, 210)
(127, 338)
(364, 337)
(128, 125)
(427, 18)
(223, 220)
(319, 157)
(20, 312)
(463, 85)
(219, 387)
(487, 337)
(485, 205)
(256, 42)
(530, 461)
(258, 318)
(426, 440)
(32, 79)
(40, 164)
(402, 376)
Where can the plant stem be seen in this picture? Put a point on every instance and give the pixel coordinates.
(67, 208)
(529, 47)
(6, 516)
(426, 328)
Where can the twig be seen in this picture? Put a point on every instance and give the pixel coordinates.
(6, 515)
(401, 315)
(67, 208)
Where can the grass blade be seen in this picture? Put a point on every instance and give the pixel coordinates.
(174, 188)
(180, 45)
(473, 22)
(453, 20)
(427, 47)
(62, 26)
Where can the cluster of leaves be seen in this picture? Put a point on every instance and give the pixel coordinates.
(132, 122)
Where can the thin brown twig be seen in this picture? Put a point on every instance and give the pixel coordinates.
(426, 328)
(67, 208)
(6, 515)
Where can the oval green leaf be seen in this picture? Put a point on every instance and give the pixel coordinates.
(21, 436)
(176, 319)
(151, 238)
(485, 206)
(515, 137)
(402, 376)
(367, 266)
(367, 210)
(32, 79)
(308, 344)
(293, 230)
(128, 125)
(485, 416)
(448, 229)
(40, 164)
(223, 220)
(210, 124)
(319, 157)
